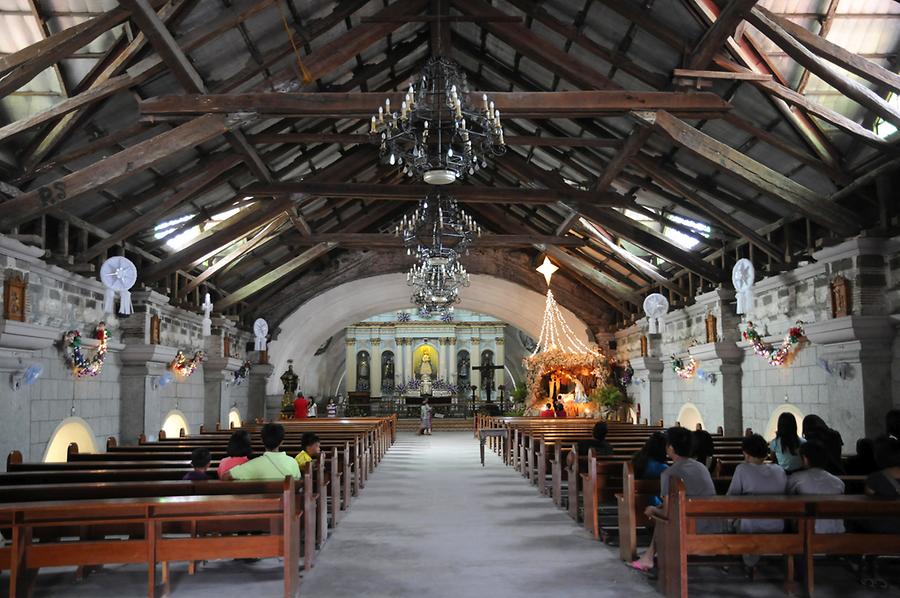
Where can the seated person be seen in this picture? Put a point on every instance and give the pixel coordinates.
(863, 462)
(650, 461)
(200, 458)
(598, 443)
(702, 448)
(239, 451)
(310, 447)
(814, 480)
(815, 429)
(548, 411)
(785, 448)
(697, 482)
(755, 477)
(886, 484)
(559, 407)
(271, 465)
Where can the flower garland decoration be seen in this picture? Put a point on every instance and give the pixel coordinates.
(684, 371)
(80, 365)
(776, 356)
(242, 372)
(183, 366)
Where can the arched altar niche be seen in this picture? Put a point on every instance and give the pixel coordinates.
(418, 357)
(363, 365)
(388, 377)
(174, 422)
(487, 376)
(689, 417)
(772, 426)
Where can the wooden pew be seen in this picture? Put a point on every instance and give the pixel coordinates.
(161, 521)
(679, 541)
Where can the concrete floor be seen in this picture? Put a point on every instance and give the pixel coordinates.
(433, 523)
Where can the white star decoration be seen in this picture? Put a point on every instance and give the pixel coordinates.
(547, 269)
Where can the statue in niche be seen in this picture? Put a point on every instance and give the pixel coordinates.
(387, 370)
(462, 365)
(644, 351)
(14, 290)
(711, 335)
(840, 297)
(362, 370)
(290, 380)
(426, 369)
(155, 322)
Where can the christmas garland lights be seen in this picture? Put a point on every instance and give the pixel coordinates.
(775, 355)
(75, 359)
(183, 366)
(684, 371)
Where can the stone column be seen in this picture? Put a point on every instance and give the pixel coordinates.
(399, 364)
(259, 379)
(350, 375)
(725, 403)
(442, 358)
(375, 369)
(859, 347)
(451, 366)
(142, 406)
(646, 387)
(500, 359)
(475, 360)
(218, 376)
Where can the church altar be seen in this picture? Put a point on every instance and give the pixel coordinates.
(402, 354)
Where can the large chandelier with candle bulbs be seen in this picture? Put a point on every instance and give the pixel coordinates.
(435, 134)
(437, 233)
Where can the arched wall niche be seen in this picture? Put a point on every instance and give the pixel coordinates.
(173, 422)
(772, 426)
(234, 418)
(71, 429)
(302, 332)
(689, 417)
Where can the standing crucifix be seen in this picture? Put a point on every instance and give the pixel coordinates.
(207, 310)
(483, 369)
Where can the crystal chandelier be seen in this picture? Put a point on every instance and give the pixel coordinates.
(439, 231)
(439, 227)
(437, 135)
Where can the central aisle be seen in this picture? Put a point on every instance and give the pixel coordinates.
(433, 522)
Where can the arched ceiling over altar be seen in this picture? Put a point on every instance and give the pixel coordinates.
(182, 135)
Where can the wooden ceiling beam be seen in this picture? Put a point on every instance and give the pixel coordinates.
(834, 53)
(714, 38)
(816, 207)
(389, 241)
(552, 104)
(537, 48)
(858, 92)
(363, 138)
(633, 144)
(109, 170)
(415, 192)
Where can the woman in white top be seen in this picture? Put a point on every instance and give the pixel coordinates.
(785, 448)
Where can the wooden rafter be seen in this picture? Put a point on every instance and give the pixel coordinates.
(723, 28)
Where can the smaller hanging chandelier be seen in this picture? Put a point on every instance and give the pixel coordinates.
(436, 283)
(437, 136)
(438, 227)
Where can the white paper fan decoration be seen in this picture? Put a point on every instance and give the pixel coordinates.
(742, 277)
(655, 307)
(260, 331)
(118, 274)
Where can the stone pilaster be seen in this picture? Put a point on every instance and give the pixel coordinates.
(350, 375)
(451, 346)
(500, 359)
(723, 403)
(259, 378)
(646, 388)
(475, 360)
(375, 368)
(861, 347)
(442, 359)
(142, 408)
(218, 376)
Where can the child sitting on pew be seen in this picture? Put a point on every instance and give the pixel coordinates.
(310, 449)
(597, 442)
(756, 477)
(239, 450)
(697, 482)
(814, 480)
(271, 465)
(200, 458)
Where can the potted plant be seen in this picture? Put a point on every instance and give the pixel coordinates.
(608, 400)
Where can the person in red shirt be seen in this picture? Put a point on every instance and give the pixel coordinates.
(548, 411)
(301, 407)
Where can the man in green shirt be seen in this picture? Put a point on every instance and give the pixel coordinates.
(271, 465)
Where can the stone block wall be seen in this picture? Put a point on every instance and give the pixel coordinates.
(125, 396)
(848, 371)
